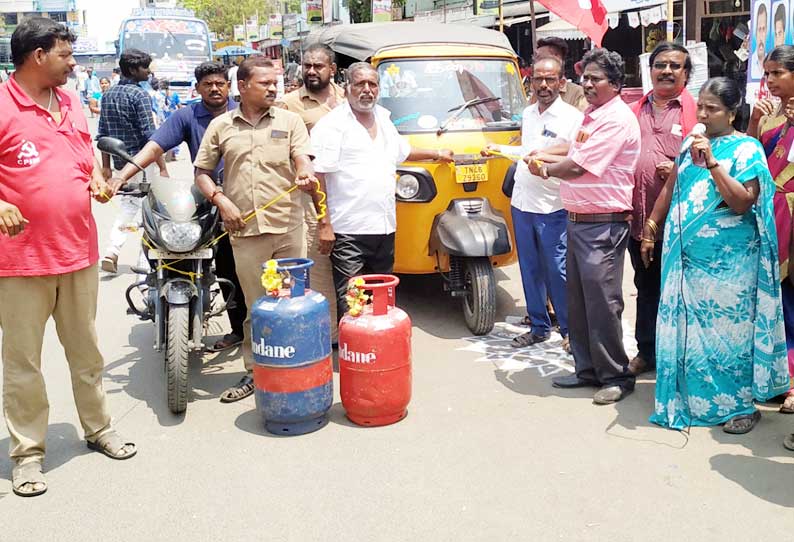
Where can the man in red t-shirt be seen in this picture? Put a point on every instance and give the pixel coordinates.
(48, 249)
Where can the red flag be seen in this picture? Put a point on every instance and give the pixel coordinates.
(589, 16)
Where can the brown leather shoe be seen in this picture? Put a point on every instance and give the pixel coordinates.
(637, 366)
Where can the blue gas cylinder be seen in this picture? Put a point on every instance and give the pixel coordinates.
(291, 339)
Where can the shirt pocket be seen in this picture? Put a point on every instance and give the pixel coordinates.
(275, 151)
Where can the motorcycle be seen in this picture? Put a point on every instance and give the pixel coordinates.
(180, 228)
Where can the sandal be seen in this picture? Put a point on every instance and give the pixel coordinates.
(27, 480)
(527, 339)
(788, 405)
(739, 425)
(788, 442)
(244, 388)
(112, 445)
(230, 340)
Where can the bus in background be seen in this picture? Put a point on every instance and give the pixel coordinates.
(176, 39)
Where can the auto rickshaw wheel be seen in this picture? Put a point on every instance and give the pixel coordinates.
(479, 303)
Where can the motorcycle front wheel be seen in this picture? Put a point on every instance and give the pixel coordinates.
(176, 357)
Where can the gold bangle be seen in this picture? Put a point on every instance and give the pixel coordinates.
(647, 240)
(652, 224)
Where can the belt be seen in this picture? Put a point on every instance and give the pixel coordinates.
(623, 216)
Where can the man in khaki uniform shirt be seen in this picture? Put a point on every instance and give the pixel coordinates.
(313, 101)
(264, 149)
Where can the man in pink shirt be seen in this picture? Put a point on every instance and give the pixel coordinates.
(48, 249)
(596, 189)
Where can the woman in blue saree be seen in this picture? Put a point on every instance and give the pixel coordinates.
(720, 336)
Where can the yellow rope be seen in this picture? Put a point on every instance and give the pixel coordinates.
(513, 157)
(194, 276)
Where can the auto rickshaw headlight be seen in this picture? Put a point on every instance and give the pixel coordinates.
(407, 186)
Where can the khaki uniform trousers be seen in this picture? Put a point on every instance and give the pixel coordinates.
(250, 253)
(322, 279)
(26, 303)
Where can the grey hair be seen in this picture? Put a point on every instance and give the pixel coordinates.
(360, 66)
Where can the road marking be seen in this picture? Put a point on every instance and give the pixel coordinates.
(548, 357)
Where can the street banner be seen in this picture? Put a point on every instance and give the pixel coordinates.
(769, 27)
(276, 29)
(239, 32)
(289, 24)
(328, 11)
(252, 30)
(314, 12)
(381, 11)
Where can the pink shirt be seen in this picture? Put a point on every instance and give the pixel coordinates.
(607, 147)
(44, 170)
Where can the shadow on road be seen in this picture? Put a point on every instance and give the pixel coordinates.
(140, 374)
(434, 311)
(63, 445)
(761, 474)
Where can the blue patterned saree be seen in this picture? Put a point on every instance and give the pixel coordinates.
(720, 342)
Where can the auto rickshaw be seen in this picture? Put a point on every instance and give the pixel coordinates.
(457, 87)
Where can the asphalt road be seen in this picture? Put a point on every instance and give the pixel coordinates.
(489, 450)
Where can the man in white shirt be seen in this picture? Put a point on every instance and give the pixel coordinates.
(234, 90)
(357, 149)
(539, 219)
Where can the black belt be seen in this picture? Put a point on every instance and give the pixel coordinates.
(623, 216)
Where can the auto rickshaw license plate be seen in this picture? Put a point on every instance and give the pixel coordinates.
(471, 173)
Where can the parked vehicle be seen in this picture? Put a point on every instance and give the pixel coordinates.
(179, 231)
(176, 39)
(456, 87)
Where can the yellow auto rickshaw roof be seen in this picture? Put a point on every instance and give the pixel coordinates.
(440, 50)
(370, 40)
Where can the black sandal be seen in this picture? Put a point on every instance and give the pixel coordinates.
(527, 339)
(739, 425)
(230, 340)
(244, 388)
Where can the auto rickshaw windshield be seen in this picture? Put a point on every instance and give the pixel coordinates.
(431, 94)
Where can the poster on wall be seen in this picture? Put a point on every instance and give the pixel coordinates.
(381, 11)
(762, 39)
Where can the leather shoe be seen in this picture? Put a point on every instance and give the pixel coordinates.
(638, 365)
(610, 394)
(572, 381)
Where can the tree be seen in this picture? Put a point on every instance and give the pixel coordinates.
(223, 15)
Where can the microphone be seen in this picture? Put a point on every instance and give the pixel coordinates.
(697, 129)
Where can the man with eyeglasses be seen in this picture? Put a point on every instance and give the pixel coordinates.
(596, 189)
(666, 115)
(539, 219)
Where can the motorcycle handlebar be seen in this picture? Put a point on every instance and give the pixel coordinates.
(135, 190)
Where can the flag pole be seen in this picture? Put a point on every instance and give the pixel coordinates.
(501, 18)
(532, 24)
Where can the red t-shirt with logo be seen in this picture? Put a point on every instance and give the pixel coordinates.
(45, 169)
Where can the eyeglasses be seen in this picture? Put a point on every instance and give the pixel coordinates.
(675, 66)
(549, 80)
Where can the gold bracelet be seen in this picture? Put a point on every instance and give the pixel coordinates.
(653, 225)
(647, 240)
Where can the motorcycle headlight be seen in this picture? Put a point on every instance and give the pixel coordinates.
(407, 186)
(180, 236)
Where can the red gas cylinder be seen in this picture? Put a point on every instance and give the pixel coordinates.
(375, 356)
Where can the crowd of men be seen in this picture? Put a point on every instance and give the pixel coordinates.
(571, 236)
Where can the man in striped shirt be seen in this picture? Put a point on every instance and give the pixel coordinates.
(596, 189)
